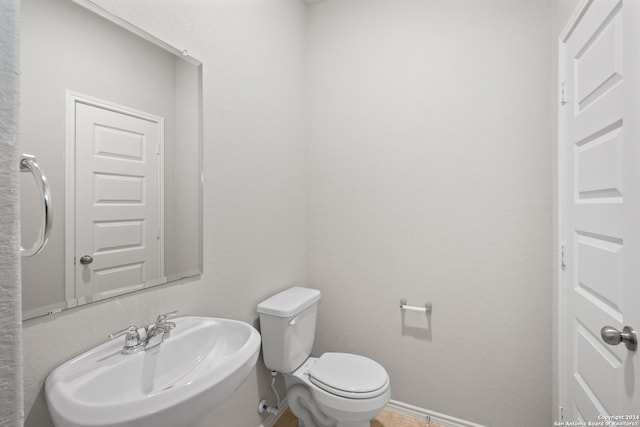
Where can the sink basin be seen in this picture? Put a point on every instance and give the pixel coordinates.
(201, 363)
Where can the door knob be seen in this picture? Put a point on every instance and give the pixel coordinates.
(612, 336)
(86, 259)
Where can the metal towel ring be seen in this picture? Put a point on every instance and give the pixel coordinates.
(28, 164)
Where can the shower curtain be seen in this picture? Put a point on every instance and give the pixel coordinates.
(11, 408)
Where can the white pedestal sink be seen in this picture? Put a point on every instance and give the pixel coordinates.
(174, 384)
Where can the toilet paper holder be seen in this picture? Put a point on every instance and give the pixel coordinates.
(426, 309)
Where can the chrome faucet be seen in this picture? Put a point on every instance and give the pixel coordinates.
(153, 334)
(132, 341)
(161, 329)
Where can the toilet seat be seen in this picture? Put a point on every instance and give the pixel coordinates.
(349, 375)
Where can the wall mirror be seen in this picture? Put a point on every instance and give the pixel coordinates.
(113, 117)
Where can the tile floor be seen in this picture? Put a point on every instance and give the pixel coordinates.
(385, 419)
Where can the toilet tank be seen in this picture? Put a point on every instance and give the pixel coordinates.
(288, 328)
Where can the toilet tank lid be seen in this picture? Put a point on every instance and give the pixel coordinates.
(289, 302)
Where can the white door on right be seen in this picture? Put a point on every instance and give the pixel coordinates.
(601, 212)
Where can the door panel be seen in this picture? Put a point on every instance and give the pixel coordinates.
(598, 63)
(599, 174)
(600, 210)
(117, 212)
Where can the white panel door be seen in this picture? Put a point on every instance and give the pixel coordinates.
(601, 205)
(117, 201)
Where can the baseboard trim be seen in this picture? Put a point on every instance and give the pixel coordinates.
(435, 417)
(395, 406)
(272, 418)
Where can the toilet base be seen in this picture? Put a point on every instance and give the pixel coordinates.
(316, 407)
(313, 410)
(303, 406)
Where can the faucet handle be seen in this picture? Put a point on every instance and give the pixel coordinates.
(128, 330)
(132, 341)
(162, 317)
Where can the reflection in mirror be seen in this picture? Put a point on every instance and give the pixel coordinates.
(114, 118)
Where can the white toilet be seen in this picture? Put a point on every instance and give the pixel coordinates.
(334, 390)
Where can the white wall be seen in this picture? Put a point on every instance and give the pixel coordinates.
(187, 176)
(254, 241)
(430, 178)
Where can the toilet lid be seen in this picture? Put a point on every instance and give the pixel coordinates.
(349, 375)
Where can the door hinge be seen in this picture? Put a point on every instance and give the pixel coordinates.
(563, 265)
(562, 413)
(563, 99)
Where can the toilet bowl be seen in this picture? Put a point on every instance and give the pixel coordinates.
(333, 390)
(337, 389)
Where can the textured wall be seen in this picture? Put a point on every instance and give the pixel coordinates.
(430, 178)
(11, 411)
(254, 241)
